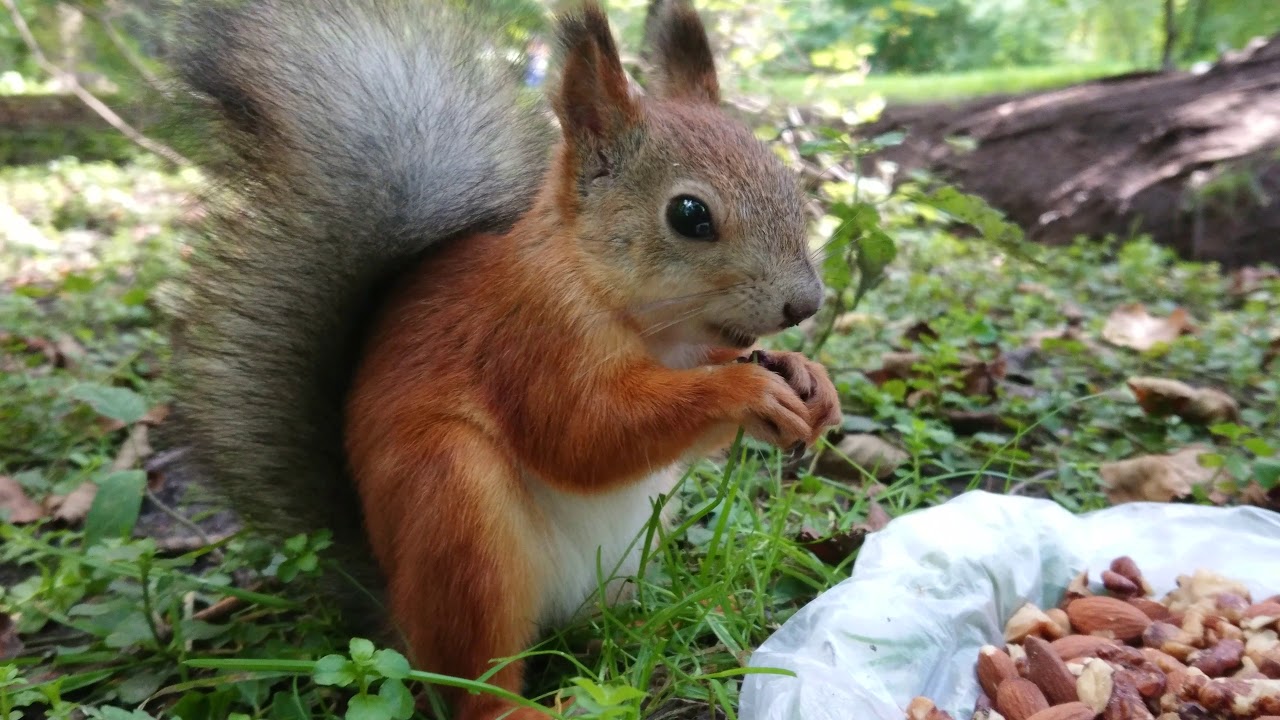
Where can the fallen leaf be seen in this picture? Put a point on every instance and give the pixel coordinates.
(1133, 327)
(1159, 397)
(134, 450)
(1273, 352)
(73, 508)
(894, 366)
(10, 643)
(918, 331)
(1249, 279)
(13, 499)
(835, 549)
(860, 452)
(983, 378)
(1156, 478)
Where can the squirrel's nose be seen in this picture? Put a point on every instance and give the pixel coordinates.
(799, 310)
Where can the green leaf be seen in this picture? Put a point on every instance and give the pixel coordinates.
(1258, 447)
(132, 630)
(875, 251)
(139, 686)
(369, 707)
(1267, 473)
(399, 699)
(333, 670)
(117, 403)
(361, 650)
(116, 506)
(391, 664)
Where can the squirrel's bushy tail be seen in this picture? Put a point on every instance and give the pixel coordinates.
(348, 138)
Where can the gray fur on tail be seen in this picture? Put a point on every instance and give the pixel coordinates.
(349, 138)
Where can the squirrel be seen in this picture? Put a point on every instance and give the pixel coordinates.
(472, 338)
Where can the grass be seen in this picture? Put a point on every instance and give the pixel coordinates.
(932, 87)
(118, 621)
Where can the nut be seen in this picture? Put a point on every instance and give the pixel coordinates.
(1218, 628)
(1066, 711)
(1108, 615)
(1126, 567)
(1201, 589)
(1059, 618)
(1076, 589)
(1257, 617)
(1169, 639)
(1166, 662)
(1028, 620)
(994, 667)
(1072, 647)
(1126, 702)
(1120, 585)
(922, 708)
(1094, 685)
(1231, 606)
(1019, 699)
(1152, 609)
(1049, 672)
(1193, 624)
(1244, 698)
(1220, 659)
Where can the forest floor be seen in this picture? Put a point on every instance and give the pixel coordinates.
(968, 367)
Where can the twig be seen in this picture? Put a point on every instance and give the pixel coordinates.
(125, 51)
(87, 97)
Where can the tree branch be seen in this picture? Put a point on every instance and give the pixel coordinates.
(87, 97)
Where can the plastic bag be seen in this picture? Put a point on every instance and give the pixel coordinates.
(935, 585)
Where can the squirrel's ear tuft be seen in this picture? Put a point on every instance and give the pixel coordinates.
(679, 54)
(594, 100)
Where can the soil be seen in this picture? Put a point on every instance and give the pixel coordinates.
(1191, 159)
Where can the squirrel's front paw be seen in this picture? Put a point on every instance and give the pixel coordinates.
(811, 383)
(777, 415)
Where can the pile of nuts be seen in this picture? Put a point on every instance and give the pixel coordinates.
(1206, 650)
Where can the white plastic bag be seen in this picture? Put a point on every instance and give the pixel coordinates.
(935, 585)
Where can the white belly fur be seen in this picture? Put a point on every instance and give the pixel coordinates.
(577, 527)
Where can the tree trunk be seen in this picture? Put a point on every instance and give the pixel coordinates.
(1170, 35)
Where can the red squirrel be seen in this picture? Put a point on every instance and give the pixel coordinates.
(473, 345)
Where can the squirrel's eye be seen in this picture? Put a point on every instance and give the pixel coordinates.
(690, 217)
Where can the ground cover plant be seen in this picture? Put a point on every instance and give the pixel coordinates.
(1099, 372)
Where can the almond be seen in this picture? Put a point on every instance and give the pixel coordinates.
(994, 667)
(1166, 662)
(1120, 585)
(1127, 568)
(1169, 639)
(1049, 672)
(1019, 699)
(1072, 647)
(1106, 614)
(1067, 711)
(1152, 609)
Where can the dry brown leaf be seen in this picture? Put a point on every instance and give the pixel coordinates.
(1160, 397)
(868, 452)
(134, 450)
(73, 508)
(21, 509)
(1273, 352)
(1132, 326)
(835, 548)
(1156, 478)
(894, 366)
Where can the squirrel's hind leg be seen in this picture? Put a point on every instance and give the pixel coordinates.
(461, 578)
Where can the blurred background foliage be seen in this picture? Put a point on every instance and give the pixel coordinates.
(768, 43)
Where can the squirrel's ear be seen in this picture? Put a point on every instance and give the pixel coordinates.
(679, 54)
(594, 100)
